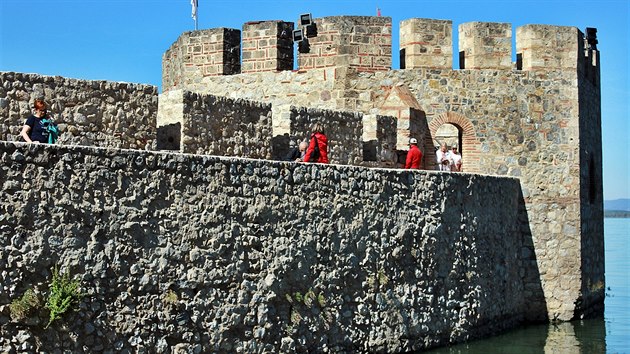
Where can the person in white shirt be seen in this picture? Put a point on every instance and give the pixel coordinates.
(456, 159)
(443, 159)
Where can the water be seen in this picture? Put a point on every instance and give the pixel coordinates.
(610, 334)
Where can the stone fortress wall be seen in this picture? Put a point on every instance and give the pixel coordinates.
(537, 120)
(397, 260)
(96, 113)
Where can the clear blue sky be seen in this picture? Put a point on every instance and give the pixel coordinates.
(123, 40)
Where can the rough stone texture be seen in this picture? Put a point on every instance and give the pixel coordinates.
(235, 240)
(223, 126)
(379, 141)
(361, 42)
(197, 54)
(321, 88)
(540, 125)
(485, 45)
(267, 46)
(426, 43)
(344, 131)
(549, 47)
(97, 113)
(207, 124)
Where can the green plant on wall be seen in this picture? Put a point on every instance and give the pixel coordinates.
(170, 298)
(23, 306)
(63, 294)
(302, 309)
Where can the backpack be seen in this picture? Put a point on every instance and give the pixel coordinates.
(51, 129)
(315, 153)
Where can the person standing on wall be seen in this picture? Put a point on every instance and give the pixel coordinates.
(414, 156)
(294, 153)
(456, 159)
(39, 127)
(302, 147)
(443, 158)
(317, 150)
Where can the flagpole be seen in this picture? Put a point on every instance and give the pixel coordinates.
(195, 5)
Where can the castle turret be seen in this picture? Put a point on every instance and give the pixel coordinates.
(361, 42)
(426, 43)
(267, 46)
(485, 45)
(197, 54)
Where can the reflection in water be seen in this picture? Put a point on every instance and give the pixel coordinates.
(561, 339)
(585, 336)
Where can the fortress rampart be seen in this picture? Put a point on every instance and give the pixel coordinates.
(96, 113)
(236, 239)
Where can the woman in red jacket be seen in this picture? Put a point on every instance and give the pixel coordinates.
(317, 150)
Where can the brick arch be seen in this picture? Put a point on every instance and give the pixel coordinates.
(471, 147)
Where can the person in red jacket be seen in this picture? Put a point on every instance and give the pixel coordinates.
(414, 156)
(319, 140)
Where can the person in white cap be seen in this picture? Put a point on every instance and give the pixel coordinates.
(456, 159)
(414, 156)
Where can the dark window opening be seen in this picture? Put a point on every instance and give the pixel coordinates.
(462, 60)
(402, 58)
(370, 150)
(519, 61)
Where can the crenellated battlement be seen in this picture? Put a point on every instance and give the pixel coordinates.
(198, 54)
(364, 44)
(426, 43)
(360, 42)
(267, 46)
(485, 45)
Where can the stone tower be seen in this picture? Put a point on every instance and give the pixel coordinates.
(537, 119)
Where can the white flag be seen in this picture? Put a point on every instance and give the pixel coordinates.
(194, 9)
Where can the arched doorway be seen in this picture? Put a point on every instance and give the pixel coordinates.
(448, 133)
(451, 127)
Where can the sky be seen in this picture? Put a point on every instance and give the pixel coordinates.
(123, 40)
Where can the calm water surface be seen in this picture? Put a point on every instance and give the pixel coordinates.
(610, 334)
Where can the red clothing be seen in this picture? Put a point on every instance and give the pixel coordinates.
(414, 156)
(322, 142)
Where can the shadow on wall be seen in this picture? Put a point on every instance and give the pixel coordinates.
(535, 303)
(169, 137)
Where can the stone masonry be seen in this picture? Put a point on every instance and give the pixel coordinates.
(179, 252)
(96, 113)
(198, 54)
(267, 46)
(426, 43)
(537, 119)
(360, 42)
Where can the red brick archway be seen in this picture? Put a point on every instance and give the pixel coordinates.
(471, 147)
